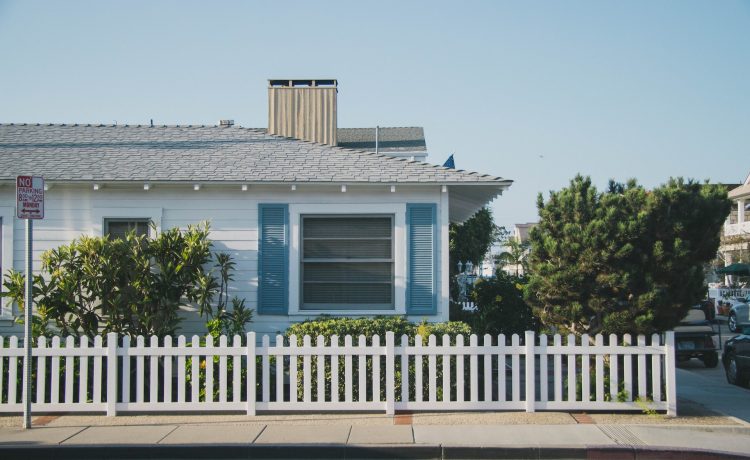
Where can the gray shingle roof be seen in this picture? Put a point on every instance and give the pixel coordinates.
(201, 153)
(406, 139)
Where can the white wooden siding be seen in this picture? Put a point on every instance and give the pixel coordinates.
(71, 211)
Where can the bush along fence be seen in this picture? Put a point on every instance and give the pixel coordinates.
(116, 375)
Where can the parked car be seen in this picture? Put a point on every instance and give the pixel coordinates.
(694, 337)
(736, 358)
(739, 313)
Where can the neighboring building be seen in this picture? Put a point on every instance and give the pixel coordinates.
(520, 234)
(287, 210)
(735, 236)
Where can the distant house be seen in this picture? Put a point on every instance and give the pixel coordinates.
(735, 235)
(315, 228)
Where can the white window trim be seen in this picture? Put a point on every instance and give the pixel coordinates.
(98, 215)
(7, 213)
(398, 210)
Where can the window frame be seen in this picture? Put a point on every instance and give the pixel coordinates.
(138, 220)
(347, 307)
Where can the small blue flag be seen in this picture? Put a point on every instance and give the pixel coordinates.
(449, 163)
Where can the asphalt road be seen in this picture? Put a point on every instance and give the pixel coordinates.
(709, 388)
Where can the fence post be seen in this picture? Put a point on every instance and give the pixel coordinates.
(111, 374)
(251, 371)
(530, 372)
(670, 374)
(390, 374)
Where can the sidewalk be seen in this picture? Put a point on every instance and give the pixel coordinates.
(463, 435)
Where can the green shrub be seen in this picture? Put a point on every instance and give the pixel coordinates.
(502, 308)
(341, 327)
(132, 286)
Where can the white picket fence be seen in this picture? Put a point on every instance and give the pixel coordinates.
(528, 374)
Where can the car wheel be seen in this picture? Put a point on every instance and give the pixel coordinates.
(734, 375)
(732, 322)
(711, 360)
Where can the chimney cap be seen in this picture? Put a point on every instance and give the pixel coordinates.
(303, 82)
(226, 122)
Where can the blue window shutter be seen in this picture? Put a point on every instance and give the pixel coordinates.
(273, 259)
(421, 258)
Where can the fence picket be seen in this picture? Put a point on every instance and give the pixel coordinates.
(348, 371)
(181, 344)
(446, 369)
(280, 369)
(153, 372)
(13, 372)
(252, 378)
(139, 370)
(41, 371)
(390, 374)
(516, 369)
(209, 368)
(362, 373)
(585, 368)
(543, 370)
(69, 370)
(97, 371)
(614, 383)
(432, 370)
(642, 393)
(237, 371)
(83, 371)
(558, 381)
(418, 387)
(293, 372)
(655, 370)
(376, 369)
(474, 369)
(223, 371)
(55, 371)
(321, 364)
(488, 369)
(195, 366)
(502, 395)
(306, 371)
(460, 389)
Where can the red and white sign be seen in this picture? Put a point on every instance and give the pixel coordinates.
(30, 197)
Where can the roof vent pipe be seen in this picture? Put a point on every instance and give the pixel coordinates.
(377, 133)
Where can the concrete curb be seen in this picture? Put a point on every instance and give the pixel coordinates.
(342, 451)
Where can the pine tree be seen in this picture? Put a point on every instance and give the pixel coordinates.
(627, 260)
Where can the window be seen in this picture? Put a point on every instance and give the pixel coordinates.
(347, 262)
(119, 228)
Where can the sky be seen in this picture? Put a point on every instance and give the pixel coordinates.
(534, 91)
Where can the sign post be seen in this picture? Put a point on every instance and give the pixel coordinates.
(30, 206)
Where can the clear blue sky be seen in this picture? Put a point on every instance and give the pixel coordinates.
(532, 91)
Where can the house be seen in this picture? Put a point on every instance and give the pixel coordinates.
(489, 264)
(315, 228)
(735, 235)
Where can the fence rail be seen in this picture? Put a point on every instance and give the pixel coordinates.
(528, 372)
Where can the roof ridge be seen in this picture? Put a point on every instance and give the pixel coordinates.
(386, 157)
(131, 125)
